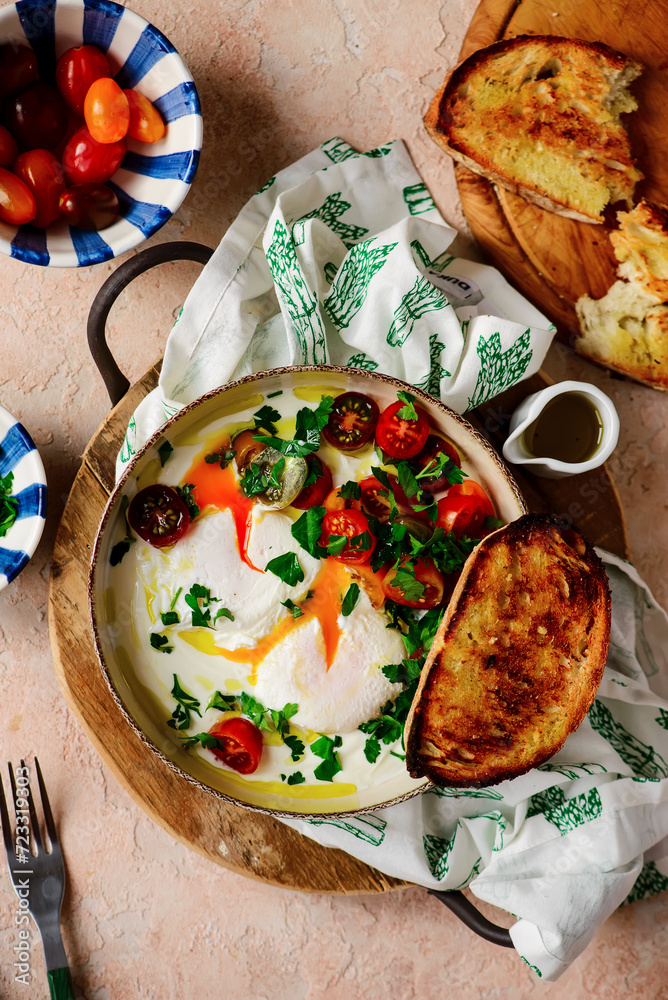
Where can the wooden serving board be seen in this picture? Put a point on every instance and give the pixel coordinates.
(553, 260)
(247, 842)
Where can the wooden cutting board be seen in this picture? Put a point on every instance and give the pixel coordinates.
(249, 843)
(552, 260)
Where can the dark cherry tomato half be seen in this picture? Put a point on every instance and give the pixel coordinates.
(246, 448)
(76, 70)
(425, 573)
(435, 446)
(17, 204)
(240, 744)
(463, 515)
(352, 421)
(89, 206)
(400, 437)
(314, 494)
(41, 171)
(158, 515)
(146, 125)
(86, 161)
(348, 524)
(9, 148)
(18, 68)
(37, 117)
(375, 498)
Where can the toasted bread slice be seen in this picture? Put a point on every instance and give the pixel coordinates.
(517, 659)
(540, 115)
(627, 329)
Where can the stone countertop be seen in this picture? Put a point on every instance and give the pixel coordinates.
(143, 916)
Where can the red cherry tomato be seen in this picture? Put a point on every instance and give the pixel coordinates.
(397, 584)
(463, 515)
(158, 515)
(348, 524)
(240, 744)
(9, 148)
(18, 68)
(17, 205)
(435, 446)
(89, 206)
(146, 125)
(41, 171)
(86, 161)
(352, 421)
(106, 110)
(400, 437)
(469, 488)
(37, 117)
(334, 501)
(314, 494)
(76, 70)
(375, 498)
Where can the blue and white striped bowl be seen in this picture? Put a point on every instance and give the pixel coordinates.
(19, 455)
(154, 178)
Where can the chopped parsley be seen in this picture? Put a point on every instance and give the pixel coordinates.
(186, 494)
(266, 418)
(169, 618)
(185, 704)
(286, 568)
(164, 451)
(326, 747)
(296, 778)
(407, 411)
(350, 600)
(221, 458)
(292, 607)
(199, 600)
(160, 642)
(307, 530)
(350, 490)
(308, 425)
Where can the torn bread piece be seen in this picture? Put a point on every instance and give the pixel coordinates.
(540, 115)
(627, 329)
(517, 660)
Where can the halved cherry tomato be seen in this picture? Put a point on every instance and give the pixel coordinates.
(87, 161)
(76, 70)
(9, 148)
(18, 68)
(246, 448)
(425, 573)
(352, 421)
(240, 744)
(334, 501)
(463, 515)
(375, 498)
(89, 206)
(37, 116)
(348, 524)
(435, 446)
(146, 125)
(106, 110)
(17, 205)
(158, 515)
(313, 495)
(398, 437)
(41, 171)
(469, 488)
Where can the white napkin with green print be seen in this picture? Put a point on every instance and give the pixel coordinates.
(563, 846)
(342, 258)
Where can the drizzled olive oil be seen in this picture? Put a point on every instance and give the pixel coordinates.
(569, 429)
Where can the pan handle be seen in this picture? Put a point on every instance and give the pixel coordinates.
(474, 920)
(114, 379)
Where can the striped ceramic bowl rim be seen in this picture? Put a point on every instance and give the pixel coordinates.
(153, 179)
(19, 455)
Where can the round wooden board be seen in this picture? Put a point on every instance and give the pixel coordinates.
(247, 842)
(553, 260)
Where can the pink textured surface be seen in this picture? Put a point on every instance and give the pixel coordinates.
(143, 916)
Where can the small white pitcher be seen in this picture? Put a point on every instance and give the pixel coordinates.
(515, 449)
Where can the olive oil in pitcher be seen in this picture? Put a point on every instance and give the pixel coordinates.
(569, 429)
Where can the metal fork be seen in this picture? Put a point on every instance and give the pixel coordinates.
(38, 878)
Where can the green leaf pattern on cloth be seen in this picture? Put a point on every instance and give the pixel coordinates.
(469, 793)
(362, 361)
(437, 851)
(351, 285)
(662, 718)
(422, 298)
(337, 150)
(572, 771)
(432, 382)
(299, 301)
(643, 760)
(368, 827)
(649, 882)
(330, 213)
(418, 200)
(129, 446)
(565, 814)
(438, 263)
(500, 369)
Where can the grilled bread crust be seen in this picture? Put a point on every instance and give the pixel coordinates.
(539, 115)
(517, 660)
(627, 329)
